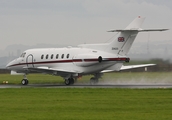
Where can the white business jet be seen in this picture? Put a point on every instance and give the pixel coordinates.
(73, 62)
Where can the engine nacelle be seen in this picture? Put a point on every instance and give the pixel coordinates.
(85, 60)
(127, 60)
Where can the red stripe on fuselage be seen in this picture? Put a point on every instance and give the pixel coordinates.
(68, 61)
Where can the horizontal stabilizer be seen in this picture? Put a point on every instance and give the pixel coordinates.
(147, 30)
(120, 30)
(139, 30)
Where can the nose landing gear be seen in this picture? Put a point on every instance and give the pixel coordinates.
(24, 80)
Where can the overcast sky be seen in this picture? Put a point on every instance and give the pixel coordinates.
(73, 22)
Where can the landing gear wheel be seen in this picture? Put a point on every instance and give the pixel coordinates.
(72, 81)
(24, 82)
(69, 81)
(93, 81)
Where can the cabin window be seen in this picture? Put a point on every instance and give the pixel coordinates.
(67, 56)
(57, 56)
(52, 56)
(47, 56)
(42, 56)
(62, 56)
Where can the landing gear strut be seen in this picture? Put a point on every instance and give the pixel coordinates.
(69, 81)
(24, 80)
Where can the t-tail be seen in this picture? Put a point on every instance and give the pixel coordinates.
(122, 44)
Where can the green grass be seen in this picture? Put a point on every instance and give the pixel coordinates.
(86, 104)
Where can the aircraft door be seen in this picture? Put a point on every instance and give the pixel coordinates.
(30, 60)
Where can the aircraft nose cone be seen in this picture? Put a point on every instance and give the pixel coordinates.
(7, 66)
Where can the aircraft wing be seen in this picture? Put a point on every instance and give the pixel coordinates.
(135, 66)
(128, 67)
(51, 70)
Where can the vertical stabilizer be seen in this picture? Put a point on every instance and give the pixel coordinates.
(136, 23)
(125, 38)
(122, 44)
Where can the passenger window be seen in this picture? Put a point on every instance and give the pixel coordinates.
(52, 56)
(57, 56)
(67, 56)
(62, 56)
(42, 56)
(47, 56)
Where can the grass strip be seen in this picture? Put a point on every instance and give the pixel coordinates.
(86, 104)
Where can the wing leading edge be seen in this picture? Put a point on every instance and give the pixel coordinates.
(51, 70)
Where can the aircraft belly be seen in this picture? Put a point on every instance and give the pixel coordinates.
(97, 68)
(79, 70)
(18, 68)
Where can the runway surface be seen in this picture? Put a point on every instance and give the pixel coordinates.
(138, 86)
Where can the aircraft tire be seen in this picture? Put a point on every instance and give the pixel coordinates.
(27, 81)
(67, 81)
(24, 82)
(72, 81)
(96, 81)
(93, 81)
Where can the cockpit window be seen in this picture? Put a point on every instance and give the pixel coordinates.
(23, 55)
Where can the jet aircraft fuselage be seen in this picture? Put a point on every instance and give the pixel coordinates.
(72, 62)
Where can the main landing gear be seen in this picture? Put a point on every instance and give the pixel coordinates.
(24, 80)
(94, 80)
(69, 81)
